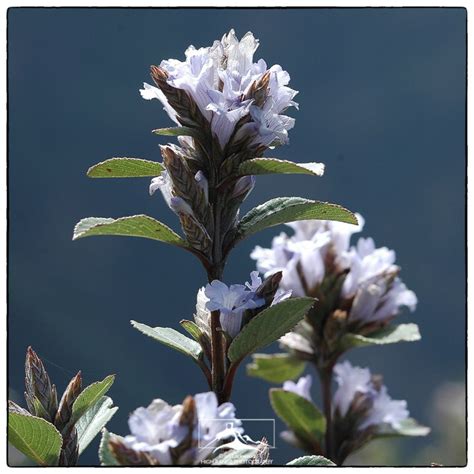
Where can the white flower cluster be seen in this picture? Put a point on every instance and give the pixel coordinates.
(318, 248)
(231, 301)
(352, 381)
(356, 380)
(157, 429)
(219, 79)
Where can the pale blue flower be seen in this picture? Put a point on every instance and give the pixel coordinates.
(382, 409)
(231, 301)
(301, 388)
(157, 429)
(219, 78)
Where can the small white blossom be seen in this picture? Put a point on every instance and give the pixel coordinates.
(231, 301)
(219, 78)
(156, 429)
(164, 184)
(378, 293)
(356, 380)
(301, 388)
(385, 410)
(350, 380)
(295, 341)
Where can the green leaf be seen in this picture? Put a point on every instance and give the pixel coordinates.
(268, 326)
(132, 226)
(171, 338)
(105, 455)
(276, 368)
(301, 416)
(192, 328)
(35, 438)
(125, 168)
(94, 419)
(273, 165)
(390, 335)
(90, 395)
(289, 209)
(408, 427)
(311, 461)
(175, 131)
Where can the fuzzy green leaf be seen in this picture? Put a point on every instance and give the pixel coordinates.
(93, 420)
(301, 416)
(125, 168)
(311, 461)
(268, 326)
(289, 209)
(171, 338)
(175, 131)
(275, 368)
(132, 226)
(90, 395)
(35, 438)
(408, 427)
(274, 166)
(390, 335)
(105, 455)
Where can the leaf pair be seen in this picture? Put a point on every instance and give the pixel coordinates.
(259, 332)
(274, 212)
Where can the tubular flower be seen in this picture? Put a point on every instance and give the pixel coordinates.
(302, 387)
(236, 303)
(361, 394)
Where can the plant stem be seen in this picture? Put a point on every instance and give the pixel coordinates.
(217, 356)
(326, 379)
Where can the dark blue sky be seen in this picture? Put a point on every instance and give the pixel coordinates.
(382, 103)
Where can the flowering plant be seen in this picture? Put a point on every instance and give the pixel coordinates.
(359, 294)
(317, 296)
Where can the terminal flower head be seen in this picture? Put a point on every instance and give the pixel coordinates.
(229, 87)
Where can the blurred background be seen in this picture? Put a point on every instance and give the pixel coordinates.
(382, 103)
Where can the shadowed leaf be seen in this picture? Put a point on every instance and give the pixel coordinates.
(258, 166)
(125, 168)
(35, 438)
(132, 226)
(289, 209)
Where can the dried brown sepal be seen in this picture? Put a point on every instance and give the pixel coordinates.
(347, 437)
(14, 408)
(70, 395)
(258, 91)
(126, 456)
(70, 448)
(181, 454)
(184, 183)
(266, 291)
(196, 236)
(262, 456)
(334, 328)
(38, 387)
(188, 112)
(269, 287)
